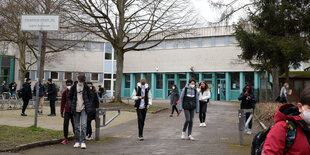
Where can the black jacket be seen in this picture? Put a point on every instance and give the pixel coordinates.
(247, 104)
(26, 91)
(87, 97)
(95, 103)
(52, 92)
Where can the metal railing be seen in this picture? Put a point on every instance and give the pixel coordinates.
(102, 112)
(243, 123)
(6, 99)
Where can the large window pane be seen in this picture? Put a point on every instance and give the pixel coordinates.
(137, 78)
(127, 80)
(107, 84)
(159, 81)
(148, 78)
(68, 75)
(235, 81)
(107, 76)
(54, 75)
(249, 78)
(94, 76)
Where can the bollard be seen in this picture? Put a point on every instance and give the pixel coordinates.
(97, 125)
(102, 112)
(241, 125)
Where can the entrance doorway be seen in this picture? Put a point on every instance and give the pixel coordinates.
(221, 90)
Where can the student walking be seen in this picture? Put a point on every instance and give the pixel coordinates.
(204, 96)
(248, 101)
(143, 100)
(189, 101)
(290, 115)
(174, 98)
(65, 111)
(12, 87)
(92, 115)
(80, 99)
(52, 96)
(26, 95)
(283, 93)
(41, 97)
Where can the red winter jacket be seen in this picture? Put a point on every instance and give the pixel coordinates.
(64, 102)
(275, 141)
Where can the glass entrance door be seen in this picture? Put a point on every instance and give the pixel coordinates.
(221, 90)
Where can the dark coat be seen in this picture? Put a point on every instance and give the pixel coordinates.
(52, 92)
(41, 90)
(87, 97)
(174, 96)
(247, 104)
(26, 91)
(95, 103)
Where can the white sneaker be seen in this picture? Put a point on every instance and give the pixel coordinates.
(83, 146)
(190, 137)
(204, 124)
(183, 135)
(89, 138)
(76, 145)
(249, 132)
(200, 125)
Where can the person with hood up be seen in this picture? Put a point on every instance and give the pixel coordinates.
(174, 98)
(275, 142)
(143, 100)
(26, 95)
(189, 101)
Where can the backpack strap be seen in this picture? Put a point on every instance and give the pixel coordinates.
(290, 135)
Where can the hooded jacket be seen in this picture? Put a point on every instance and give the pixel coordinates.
(190, 93)
(275, 141)
(26, 91)
(174, 96)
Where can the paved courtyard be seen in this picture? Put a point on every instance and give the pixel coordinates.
(162, 136)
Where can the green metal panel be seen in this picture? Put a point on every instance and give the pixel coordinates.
(12, 70)
(153, 85)
(234, 94)
(127, 92)
(132, 82)
(242, 81)
(123, 86)
(228, 84)
(142, 76)
(159, 93)
(214, 86)
(188, 76)
(200, 77)
(256, 80)
(165, 90)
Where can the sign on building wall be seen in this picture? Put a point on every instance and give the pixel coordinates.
(39, 22)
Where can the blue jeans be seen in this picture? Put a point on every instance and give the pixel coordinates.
(80, 124)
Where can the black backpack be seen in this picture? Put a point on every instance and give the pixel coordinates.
(260, 137)
(20, 93)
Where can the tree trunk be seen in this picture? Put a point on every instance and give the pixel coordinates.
(22, 62)
(286, 69)
(43, 53)
(119, 75)
(275, 79)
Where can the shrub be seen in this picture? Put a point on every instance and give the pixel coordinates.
(266, 111)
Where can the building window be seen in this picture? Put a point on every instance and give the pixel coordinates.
(170, 76)
(221, 76)
(107, 84)
(159, 81)
(127, 80)
(207, 76)
(181, 43)
(137, 78)
(107, 76)
(54, 75)
(235, 81)
(94, 76)
(182, 76)
(68, 75)
(108, 51)
(108, 56)
(114, 76)
(249, 78)
(148, 78)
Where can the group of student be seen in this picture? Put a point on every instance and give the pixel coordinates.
(190, 99)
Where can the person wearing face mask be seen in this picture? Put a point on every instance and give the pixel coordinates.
(80, 98)
(174, 97)
(248, 101)
(204, 96)
(275, 142)
(143, 100)
(189, 101)
(92, 115)
(41, 97)
(65, 111)
(26, 95)
(283, 93)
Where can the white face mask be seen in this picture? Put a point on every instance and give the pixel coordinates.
(69, 87)
(192, 85)
(306, 116)
(91, 88)
(173, 87)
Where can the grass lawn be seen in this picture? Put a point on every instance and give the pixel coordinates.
(130, 107)
(12, 136)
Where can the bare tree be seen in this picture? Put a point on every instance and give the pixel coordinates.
(129, 24)
(52, 42)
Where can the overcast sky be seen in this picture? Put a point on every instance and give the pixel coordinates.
(211, 14)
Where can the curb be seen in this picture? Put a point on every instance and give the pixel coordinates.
(35, 144)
